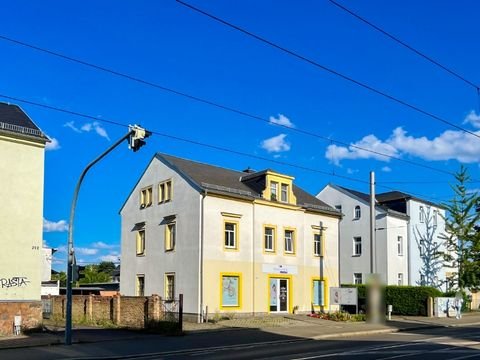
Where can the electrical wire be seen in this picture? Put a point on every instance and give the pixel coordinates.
(404, 44)
(327, 69)
(217, 105)
(210, 146)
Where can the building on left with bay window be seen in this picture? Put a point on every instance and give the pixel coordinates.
(243, 242)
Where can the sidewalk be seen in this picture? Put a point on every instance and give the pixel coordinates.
(288, 325)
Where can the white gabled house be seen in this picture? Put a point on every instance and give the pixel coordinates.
(230, 241)
(407, 237)
(391, 252)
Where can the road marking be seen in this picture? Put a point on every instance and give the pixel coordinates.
(399, 356)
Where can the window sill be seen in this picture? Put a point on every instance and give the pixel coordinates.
(141, 255)
(356, 255)
(169, 250)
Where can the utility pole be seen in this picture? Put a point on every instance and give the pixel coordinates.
(372, 223)
(135, 136)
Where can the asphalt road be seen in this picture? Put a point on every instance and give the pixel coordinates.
(440, 343)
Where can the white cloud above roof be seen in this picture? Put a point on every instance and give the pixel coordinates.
(276, 144)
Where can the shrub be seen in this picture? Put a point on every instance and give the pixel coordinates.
(406, 300)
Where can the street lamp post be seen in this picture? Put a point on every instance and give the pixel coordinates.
(136, 136)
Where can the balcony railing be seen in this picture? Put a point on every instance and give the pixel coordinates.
(20, 129)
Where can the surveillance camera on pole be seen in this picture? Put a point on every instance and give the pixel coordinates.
(137, 137)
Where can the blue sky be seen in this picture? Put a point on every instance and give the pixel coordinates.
(172, 46)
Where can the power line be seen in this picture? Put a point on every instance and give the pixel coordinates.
(217, 105)
(409, 47)
(210, 146)
(325, 68)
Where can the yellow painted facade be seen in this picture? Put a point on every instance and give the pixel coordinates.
(21, 217)
(245, 280)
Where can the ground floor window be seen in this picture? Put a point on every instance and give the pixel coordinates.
(231, 287)
(170, 286)
(140, 285)
(318, 292)
(357, 278)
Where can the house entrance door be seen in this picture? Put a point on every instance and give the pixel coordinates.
(279, 301)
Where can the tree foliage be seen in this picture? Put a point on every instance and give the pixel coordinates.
(462, 234)
(92, 274)
(429, 248)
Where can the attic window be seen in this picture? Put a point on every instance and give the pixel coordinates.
(273, 190)
(284, 193)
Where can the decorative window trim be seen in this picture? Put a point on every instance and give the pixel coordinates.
(140, 237)
(166, 290)
(137, 284)
(232, 215)
(325, 291)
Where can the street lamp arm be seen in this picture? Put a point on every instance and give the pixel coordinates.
(68, 313)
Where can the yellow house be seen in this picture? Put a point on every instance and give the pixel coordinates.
(230, 241)
(22, 146)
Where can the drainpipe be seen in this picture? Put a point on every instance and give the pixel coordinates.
(200, 265)
(253, 258)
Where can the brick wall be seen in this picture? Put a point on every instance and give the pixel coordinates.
(129, 311)
(30, 311)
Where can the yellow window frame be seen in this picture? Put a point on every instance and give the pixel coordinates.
(236, 238)
(274, 227)
(140, 242)
(240, 292)
(325, 292)
(294, 241)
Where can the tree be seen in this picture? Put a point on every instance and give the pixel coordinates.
(91, 274)
(106, 267)
(62, 276)
(461, 233)
(430, 254)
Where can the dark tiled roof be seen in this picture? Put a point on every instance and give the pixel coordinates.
(14, 120)
(218, 179)
(380, 204)
(398, 195)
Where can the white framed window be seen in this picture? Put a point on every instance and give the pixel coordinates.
(170, 236)
(273, 190)
(421, 247)
(357, 278)
(269, 239)
(140, 285)
(230, 235)
(169, 286)
(357, 213)
(400, 245)
(284, 193)
(400, 279)
(289, 241)
(421, 214)
(435, 221)
(357, 246)
(317, 245)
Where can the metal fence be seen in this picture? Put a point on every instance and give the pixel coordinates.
(172, 312)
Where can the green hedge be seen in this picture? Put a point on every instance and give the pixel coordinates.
(406, 300)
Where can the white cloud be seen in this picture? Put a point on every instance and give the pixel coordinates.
(386, 169)
(472, 118)
(88, 127)
(54, 226)
(450, 144)
(102, 245)
(281, 120)
(352, 171)
(85, 251)
(71, 125)
(112, 257)
(276, 144)
(52, 145)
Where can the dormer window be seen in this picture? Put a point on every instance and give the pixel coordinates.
(357, 213)
(284, 193)
(273, 190)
